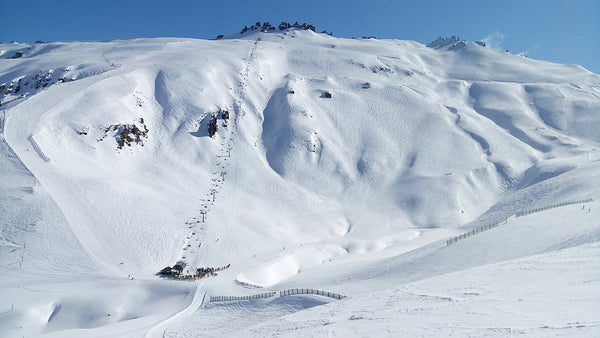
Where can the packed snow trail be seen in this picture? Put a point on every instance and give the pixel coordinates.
(159, 330)
(18, 133)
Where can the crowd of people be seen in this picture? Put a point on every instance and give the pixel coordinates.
(210, 271)
(176, 272)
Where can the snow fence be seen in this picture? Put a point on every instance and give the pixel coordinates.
(283, 293)
(512, 217)
(37, 149)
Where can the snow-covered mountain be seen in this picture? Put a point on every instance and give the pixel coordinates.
(344, 165)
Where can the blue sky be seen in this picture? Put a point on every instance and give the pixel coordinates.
(566, 31)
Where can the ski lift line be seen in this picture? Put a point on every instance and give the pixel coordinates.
(225, 149)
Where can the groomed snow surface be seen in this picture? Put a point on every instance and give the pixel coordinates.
(345, 166)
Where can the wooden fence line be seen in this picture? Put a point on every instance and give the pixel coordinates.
(512, 217)
(284, 293)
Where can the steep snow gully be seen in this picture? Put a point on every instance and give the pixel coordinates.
(447, 190)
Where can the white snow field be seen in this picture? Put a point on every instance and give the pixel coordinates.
(345, 166)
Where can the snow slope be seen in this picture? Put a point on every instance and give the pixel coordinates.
(353, 193)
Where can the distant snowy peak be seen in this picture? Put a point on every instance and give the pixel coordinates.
(451, 43)
(266, 27)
